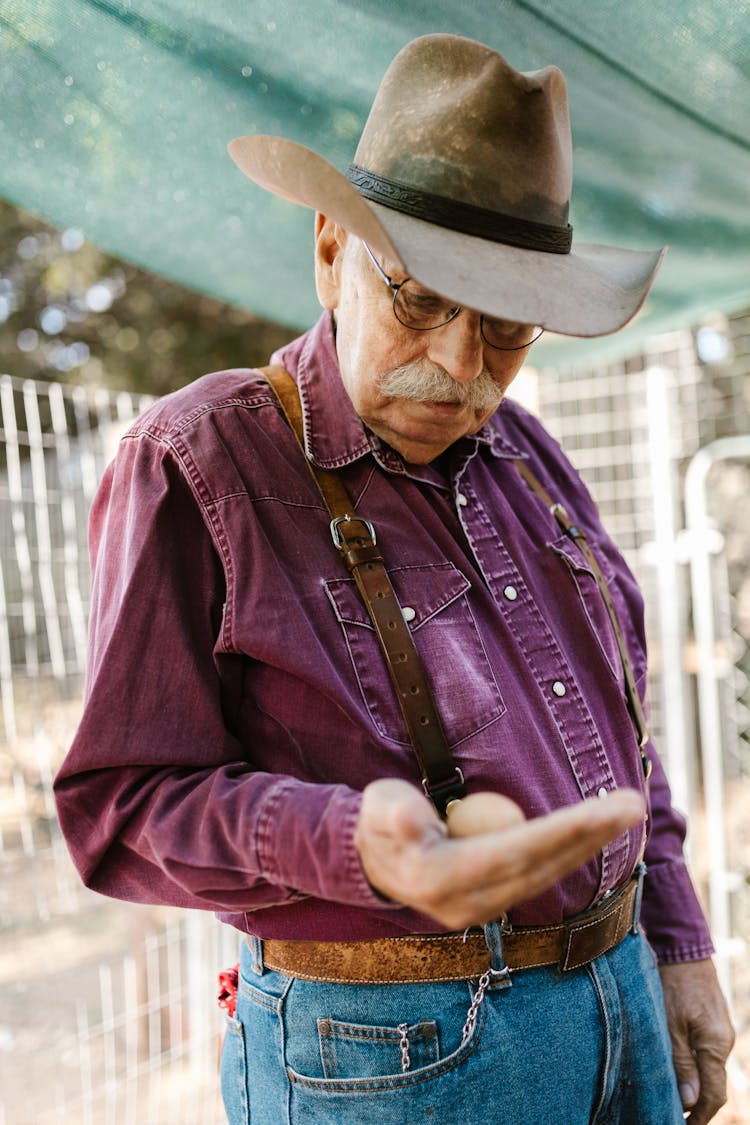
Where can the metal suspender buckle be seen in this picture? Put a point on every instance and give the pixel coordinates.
(442, 793)
(336, 534)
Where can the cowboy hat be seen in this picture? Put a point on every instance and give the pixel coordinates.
(462, 180)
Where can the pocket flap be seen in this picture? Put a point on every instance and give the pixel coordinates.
(424, 590)
(576, 560)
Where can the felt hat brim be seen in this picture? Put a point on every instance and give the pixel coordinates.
(591, 291)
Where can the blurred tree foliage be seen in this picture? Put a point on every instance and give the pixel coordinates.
(70, 312)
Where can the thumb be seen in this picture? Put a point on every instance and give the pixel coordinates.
(688, 1080)
(400, 810)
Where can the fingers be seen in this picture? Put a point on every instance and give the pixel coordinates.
(711, 1080)
(686, 1071)
(702, 1036)
(701, 1080)
(555, 845)
(520, 863)
(393, 808)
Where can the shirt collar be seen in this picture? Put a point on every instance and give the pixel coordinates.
(334, 433)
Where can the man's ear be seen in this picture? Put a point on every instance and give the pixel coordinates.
(330, 239)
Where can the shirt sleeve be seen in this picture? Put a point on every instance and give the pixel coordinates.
(671, 913)
(158, 800)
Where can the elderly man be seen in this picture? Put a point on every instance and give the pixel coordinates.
(286, 641)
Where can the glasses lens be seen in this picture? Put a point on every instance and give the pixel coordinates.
(421, 309)
(508, 335)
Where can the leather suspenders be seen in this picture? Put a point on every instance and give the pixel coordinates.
(356, 540)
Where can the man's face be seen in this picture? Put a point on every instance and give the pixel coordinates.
(456, 379)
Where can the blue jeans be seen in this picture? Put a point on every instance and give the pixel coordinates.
(586, 1047)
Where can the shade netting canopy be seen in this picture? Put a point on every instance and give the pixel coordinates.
(116, 115)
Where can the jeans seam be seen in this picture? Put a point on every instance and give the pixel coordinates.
(607, 1027)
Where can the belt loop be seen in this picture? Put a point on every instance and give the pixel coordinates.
(640, 872)
(493, 935)
(256, 953)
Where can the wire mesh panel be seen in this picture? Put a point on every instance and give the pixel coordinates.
(54, 444)
(124, 1028)
(718, 507)
(112, 1004)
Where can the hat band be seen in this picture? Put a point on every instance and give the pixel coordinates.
(464, 217)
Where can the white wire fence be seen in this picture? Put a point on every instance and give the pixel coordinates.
(107, 1013)
(113, 1004)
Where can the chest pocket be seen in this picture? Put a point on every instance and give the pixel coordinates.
(592, 602)
(434, 603)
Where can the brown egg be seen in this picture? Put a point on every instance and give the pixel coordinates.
(482, 812)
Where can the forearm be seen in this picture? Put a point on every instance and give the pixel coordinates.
(224, 838)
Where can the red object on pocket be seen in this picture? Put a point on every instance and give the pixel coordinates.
(227, 998)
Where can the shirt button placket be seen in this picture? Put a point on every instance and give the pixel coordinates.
(546, 662)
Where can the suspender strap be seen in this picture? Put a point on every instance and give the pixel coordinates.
(355, 538)
(578, 536)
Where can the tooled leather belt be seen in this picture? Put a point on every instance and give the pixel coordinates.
(446, 957)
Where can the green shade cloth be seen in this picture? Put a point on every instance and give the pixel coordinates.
(115, 119)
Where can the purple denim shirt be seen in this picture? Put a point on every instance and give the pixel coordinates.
(237, 701)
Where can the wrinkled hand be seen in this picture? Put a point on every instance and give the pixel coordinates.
(407, 855)
(702, 1036)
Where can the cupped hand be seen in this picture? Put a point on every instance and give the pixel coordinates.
(408, 856)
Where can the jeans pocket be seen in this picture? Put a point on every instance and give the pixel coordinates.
(358, 1051)
(234, 1074)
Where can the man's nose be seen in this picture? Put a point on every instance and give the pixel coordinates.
(458, 347)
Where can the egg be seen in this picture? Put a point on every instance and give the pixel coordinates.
(482, 812)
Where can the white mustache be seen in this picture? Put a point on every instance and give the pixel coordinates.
(427, 382)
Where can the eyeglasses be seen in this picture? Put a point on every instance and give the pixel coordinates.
(418, 308)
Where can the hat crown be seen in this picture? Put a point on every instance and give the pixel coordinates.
(453, 118)
(462, 180)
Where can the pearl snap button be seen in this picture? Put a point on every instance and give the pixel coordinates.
(603, 792)
(558, 688)
(409, 613)
(511, 593)
(461, 500)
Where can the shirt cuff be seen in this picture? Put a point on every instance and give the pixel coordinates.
(672, 916)
(304, 840)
